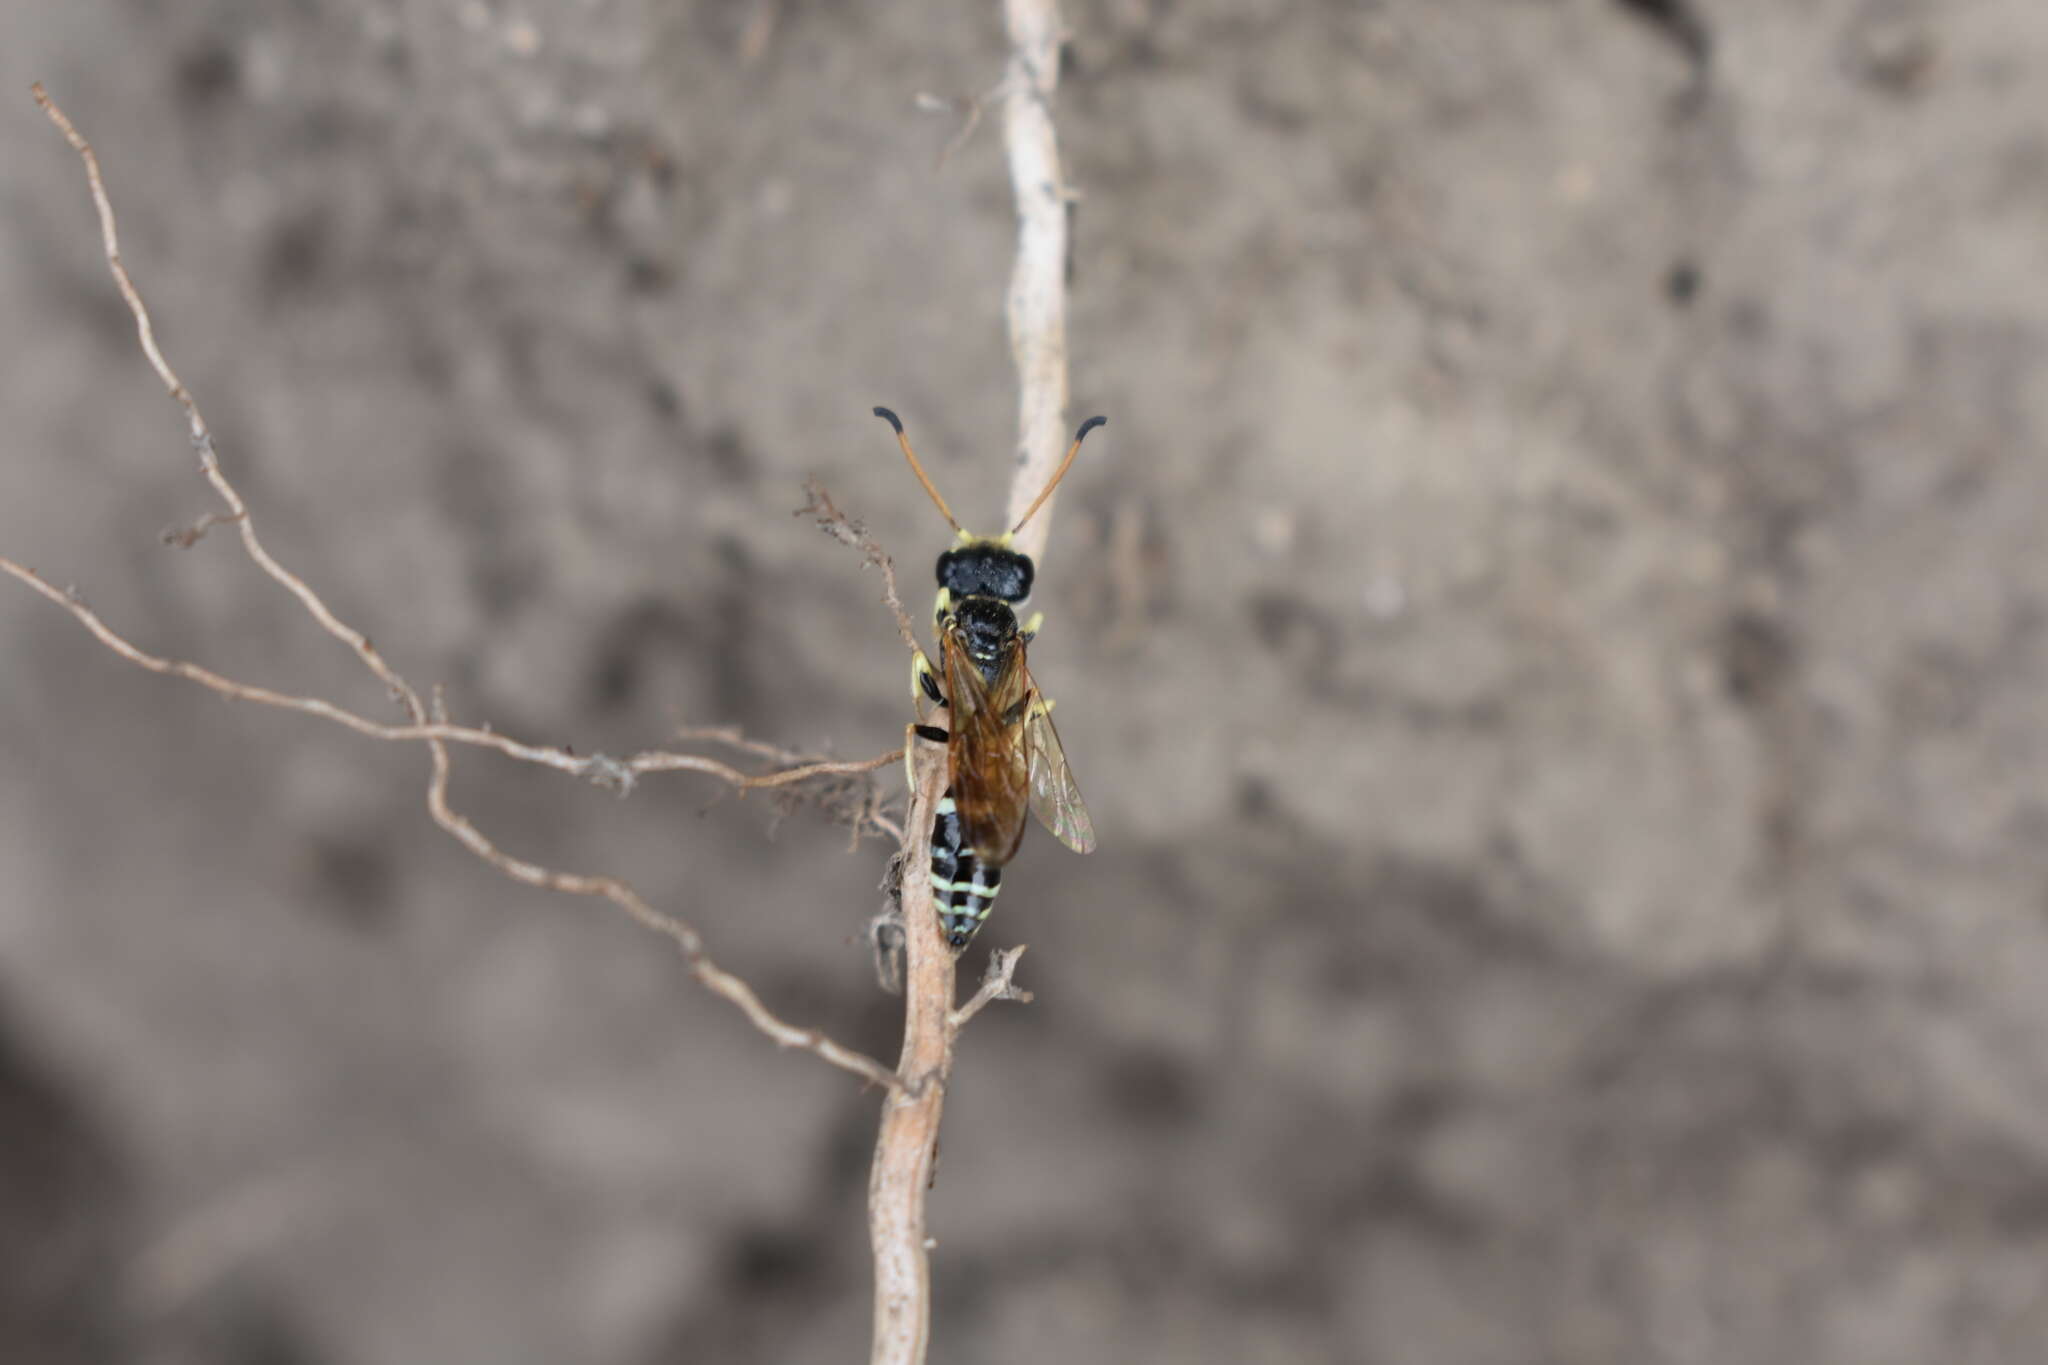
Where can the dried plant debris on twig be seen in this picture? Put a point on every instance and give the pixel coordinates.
(185, 537)
(847, 531)
(885, 930)
(845, 793)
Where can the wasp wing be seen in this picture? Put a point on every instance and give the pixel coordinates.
(1055, 800)
(991, 781)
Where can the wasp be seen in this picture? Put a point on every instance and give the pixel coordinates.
(1003, 755)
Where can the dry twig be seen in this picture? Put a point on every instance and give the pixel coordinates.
(907, 1146)
(185, 537)
(996, 984)
(430, 729)
(1037, 302)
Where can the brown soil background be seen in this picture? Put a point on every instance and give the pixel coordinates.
(1553, 638)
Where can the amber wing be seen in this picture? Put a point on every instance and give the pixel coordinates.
(991, 776)
(1055, 799)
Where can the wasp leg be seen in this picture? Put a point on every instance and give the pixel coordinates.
(1030, 628)
(924, 683)
(931, 734)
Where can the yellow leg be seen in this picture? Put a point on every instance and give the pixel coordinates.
(924, 687)
(920, 673)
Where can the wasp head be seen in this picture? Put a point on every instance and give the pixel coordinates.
(986, 568)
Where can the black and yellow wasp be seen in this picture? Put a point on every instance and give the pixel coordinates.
(1003, 755)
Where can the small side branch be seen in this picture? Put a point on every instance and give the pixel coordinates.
(996, 984)
(850, 532)
(185, 537)
(617, 774)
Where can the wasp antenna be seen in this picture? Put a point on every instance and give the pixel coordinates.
(893, 420)
(1061, 472)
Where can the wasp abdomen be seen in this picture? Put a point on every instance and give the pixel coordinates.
(963, 887)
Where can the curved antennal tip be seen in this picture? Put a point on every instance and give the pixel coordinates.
(1061, 472)
(916, 468)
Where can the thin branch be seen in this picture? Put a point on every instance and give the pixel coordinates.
(906, 1150)
(596, 768)
(430, 729)
(775, 753)
(687, 939)
(907, 1146)
(111, 243)
(202, 437)
(848, 531)
(735, 738)
(996, 984)
(185, 537)
(884, 822)
(1037, 302)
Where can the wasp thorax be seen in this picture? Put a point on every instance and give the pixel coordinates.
(988, 630)
(983, 568)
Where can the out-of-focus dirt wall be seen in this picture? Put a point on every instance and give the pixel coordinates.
(1552, 637)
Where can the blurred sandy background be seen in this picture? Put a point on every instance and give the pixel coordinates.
(1552, 636)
